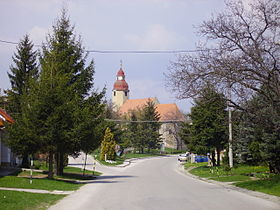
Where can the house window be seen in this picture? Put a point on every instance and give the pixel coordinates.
(114, 93)
(125, 93)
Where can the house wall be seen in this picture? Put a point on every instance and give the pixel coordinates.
(6, 156)
(0, 147)
(170, 136)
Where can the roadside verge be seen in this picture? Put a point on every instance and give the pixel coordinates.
(228, 185)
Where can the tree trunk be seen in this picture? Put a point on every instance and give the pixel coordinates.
(56, 163)
(25, 161)
(85, 165)
(213, 158)
(61, 163)
(274, 169)
(218, 156)
(50, 174)
(59, 160)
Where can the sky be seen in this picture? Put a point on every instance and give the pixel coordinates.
(113, 25)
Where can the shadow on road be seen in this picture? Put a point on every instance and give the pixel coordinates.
(105, 182)
(79, 164)
(113, 177)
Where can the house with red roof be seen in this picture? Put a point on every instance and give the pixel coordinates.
(6, 156)
(170, 115)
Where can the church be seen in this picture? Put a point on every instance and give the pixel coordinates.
(170, 115)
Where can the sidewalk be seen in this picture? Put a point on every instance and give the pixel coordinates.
(56, 192)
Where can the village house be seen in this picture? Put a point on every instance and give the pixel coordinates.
(6, 156)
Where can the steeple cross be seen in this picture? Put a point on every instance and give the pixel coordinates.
(121, 64)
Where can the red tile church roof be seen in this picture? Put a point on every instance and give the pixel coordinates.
(120, 72)
(5, 117)
(120, 85)
(167, 112)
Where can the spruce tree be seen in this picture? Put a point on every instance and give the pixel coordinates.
(132, 133)
(207, 133)
(22, 75)
(150, 136)
(65, 84)
(24, 70)
(258, 139)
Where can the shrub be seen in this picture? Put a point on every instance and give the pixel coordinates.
(108, 146)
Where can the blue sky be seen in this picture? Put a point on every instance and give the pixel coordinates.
(113, 25)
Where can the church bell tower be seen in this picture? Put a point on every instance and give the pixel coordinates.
(120, 91)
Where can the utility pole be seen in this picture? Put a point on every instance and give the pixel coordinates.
(230, 153)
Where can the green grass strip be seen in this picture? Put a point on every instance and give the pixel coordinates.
(234, 178)
(270, 186)
(42, 183)
(11, 200)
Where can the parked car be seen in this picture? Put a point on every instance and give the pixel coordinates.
(201, 158)
(183, 157)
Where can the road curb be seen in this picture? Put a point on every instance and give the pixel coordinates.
(229, 186)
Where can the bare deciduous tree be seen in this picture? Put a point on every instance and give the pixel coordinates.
(244, 53)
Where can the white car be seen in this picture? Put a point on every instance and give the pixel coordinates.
(183, 157)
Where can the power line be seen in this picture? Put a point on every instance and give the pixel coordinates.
(16, 43)
(143, 51)
(128, 51)
(8, 42)
(144, 121)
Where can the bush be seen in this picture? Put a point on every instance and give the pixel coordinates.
(108, 146)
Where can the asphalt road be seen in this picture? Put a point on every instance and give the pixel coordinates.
(157, 184)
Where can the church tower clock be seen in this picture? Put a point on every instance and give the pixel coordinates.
(120, 91)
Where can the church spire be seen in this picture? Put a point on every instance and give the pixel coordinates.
(120, 91)
(121, 64)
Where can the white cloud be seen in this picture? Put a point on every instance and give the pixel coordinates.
(157, 37)
(38, 4)
(144, 88)
(38, 34)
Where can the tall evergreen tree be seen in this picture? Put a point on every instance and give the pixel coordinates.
(207, 133)
(132, 133)
(259, 134)
(150, 130)
(64, 86)
(22, 75)
(23, 71)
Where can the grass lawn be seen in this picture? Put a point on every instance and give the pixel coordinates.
(269, 186)
(233, 178)
(120, 160)
(72, 173)
(138, 155)
(173, 151)
(11, 200)
(188, 165)
(37, 183)
(243, 175)
(240, 173)
(77, 174)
